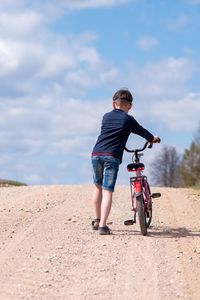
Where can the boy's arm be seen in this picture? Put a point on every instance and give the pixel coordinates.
(141, 131)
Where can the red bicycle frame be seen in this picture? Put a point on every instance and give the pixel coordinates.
(141, 196)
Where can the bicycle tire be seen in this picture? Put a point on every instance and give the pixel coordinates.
(149, 209)
(141, 214)
(148, 214)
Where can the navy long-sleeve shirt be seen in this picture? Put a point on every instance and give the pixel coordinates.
(116, 127)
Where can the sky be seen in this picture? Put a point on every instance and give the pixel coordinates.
(61, 61)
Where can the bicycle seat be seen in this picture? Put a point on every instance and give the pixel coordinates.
(135, 167)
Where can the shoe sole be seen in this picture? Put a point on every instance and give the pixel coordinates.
(103, 231)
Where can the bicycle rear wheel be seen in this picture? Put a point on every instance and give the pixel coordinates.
(141, 214)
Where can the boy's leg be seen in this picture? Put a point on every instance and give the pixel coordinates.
(97, 194)
(111, 167)
(105, 207)
(97, 200)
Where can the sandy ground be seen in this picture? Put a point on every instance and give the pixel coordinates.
(48, 250)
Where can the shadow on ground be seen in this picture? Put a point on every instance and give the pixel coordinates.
(162, 232)
(171, 232)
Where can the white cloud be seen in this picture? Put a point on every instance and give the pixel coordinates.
(31, 54)
(194, 1)
(18, 25)
(29, 126)
(45, 78)
(40, 72)
(82, 4)
(57, 62)
(163, 79)
(178, 23)
(71, 4)
(72, 61)
(13, 4)
(182, 115)
(17, 57)
(147, 42)
(38, 134)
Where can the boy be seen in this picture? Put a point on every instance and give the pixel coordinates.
(107, 154)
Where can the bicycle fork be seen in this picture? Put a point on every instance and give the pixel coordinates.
(136, 190)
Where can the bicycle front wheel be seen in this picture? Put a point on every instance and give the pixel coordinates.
(141, 214)
(148, 214)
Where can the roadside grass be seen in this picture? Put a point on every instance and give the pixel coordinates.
(197, 185)
(7, 183)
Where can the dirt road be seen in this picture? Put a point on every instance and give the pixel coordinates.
(48, 250)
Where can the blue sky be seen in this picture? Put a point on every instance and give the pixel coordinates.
(62, 60)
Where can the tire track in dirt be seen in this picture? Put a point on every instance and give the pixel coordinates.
(186, 237)
(174, 236)
(54, 254)
(20, 276)
(154, 265)
(137, 277)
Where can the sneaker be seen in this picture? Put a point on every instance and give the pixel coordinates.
(95, 224)
(104, 230)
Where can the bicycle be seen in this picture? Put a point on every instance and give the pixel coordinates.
(141, 196)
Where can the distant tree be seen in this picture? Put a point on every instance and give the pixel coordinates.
(165, 168)
(190, 164)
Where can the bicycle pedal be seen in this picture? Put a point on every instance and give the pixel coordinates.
(129, 222)
(156, 195)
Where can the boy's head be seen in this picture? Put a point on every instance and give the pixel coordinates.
(122, 99)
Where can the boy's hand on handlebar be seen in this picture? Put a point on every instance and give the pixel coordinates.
(156, 139)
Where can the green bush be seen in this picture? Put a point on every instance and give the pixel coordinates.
(5, 182)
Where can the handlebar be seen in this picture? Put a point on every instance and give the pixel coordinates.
(136, 151)
(140, 150)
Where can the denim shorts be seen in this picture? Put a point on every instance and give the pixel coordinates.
(105, 169)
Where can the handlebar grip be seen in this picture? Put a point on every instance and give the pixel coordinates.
(158, 140)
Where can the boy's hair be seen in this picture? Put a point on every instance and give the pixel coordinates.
(123, 95)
